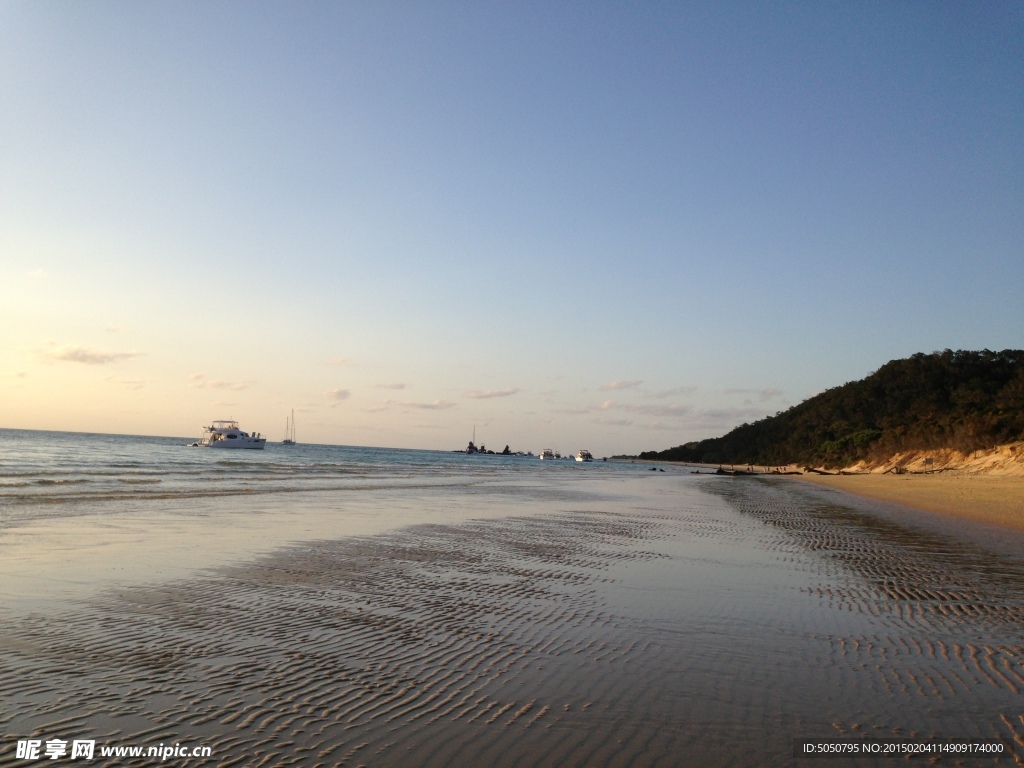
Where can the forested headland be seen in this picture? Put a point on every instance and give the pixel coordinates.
(962, 400)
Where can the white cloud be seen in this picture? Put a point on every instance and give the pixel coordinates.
(199, 381)
(129, 383)
(478, 394)
(337, 395)
(87, 356)
(672, 411)
(672, 392)
(617, 385)
(768, 393)
(436, 405)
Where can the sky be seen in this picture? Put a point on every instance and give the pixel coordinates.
(614, 226)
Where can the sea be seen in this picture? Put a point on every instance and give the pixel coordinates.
(55, 468)
(335, 605)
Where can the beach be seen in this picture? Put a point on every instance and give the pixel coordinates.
(467, 614)
(983, 498)
(373, 375)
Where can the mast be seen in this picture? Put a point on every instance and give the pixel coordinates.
(289, 429)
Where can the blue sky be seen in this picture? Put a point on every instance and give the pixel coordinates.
(607, 225)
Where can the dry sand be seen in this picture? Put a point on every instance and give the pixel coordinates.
(991, 499)
(984, 486)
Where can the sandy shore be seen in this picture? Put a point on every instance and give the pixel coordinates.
(991, 499)
(629, 622)
(986, 486)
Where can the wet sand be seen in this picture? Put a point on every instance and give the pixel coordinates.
(659, 621)
(991, 499)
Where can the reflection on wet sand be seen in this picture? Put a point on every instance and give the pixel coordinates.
(705, 622)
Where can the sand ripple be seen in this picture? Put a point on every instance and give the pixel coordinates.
(709, 630)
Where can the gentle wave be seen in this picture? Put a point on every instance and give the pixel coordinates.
(195, 493)
(53, 468)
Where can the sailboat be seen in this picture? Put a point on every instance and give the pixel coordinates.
(289, 430)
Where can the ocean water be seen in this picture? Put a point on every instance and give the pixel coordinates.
(40, 471)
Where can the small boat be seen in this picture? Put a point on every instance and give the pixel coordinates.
(289, 430)
(584, 455)
(547, 453)
(226, 434)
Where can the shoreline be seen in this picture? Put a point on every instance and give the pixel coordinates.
(985, 487)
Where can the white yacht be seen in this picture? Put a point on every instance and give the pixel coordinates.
(226, 434)
(547, 453)
(584, 455)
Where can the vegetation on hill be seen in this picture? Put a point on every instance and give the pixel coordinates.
(961, 400)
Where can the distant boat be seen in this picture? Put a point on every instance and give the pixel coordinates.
(547, 453)
(226, 434)
(584, 455)
(289, 430)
